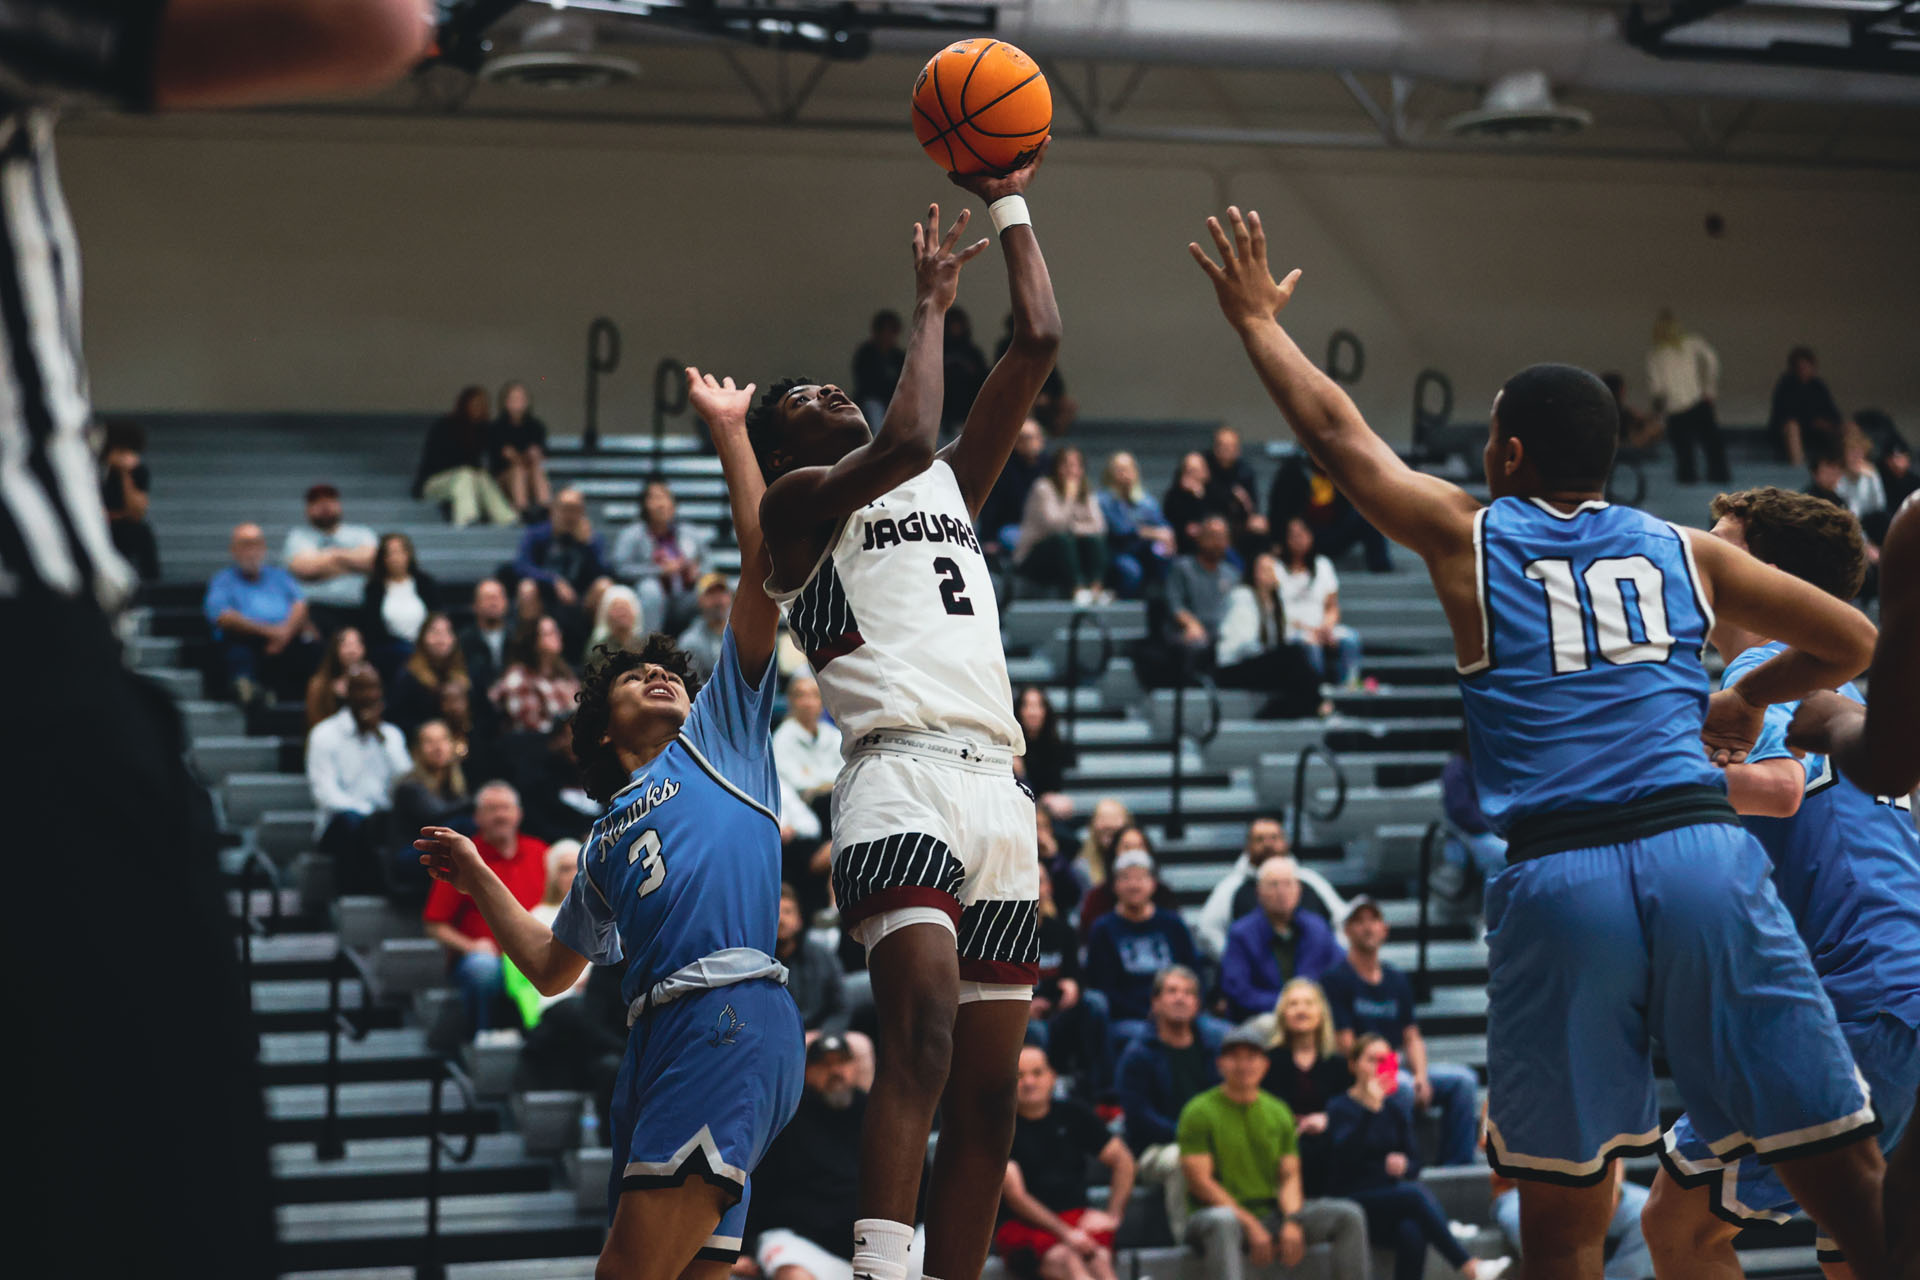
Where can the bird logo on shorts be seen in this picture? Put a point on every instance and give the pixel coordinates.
(725, 1028)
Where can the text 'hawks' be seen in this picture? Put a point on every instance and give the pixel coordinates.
(643, 804)
(919, 526)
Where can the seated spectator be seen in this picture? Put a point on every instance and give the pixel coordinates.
(1189, 503)
(484, 640)
(125, 483)
(1301, 489)
(1265, 839)
(1067, 1019)
(1063, 537)
(547, 774)
(436, 659)
(1050, 1228)
(453, 464)
(1048, 756)
(1140, 542)
(806, 1191)
(1368, 996)
(327, 687)
(431, 794)
(1307, 1071)
(1088, 868)
(813, 974)
(1231, 485)
(1006, 504)
(966, 370)
(1473, 847)
(877, 363)
(1253, 648)
(1860, 487)
(1803, 419)
(701, 640)
(1053, 408)
(1278, 942)
(806, 755)
(1310, 598)
(330, 560)
(1198, 585)
(259, 619)
(1133, 943)
(1824, 476)
(1101, 898)
(563, 865)
(1376, 1163)
(518, 453)
(473, 957)
(537, 689)
(1627, 1255)
(1896, 472)
(353, 759)
(1159, 1073)
(616, 624)
(566, 557)
(663, 559)
(395, 602)
(1241, 1157)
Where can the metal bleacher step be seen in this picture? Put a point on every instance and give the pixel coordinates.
(1459, 1010)
(292, 957)
(1148, 803)
(221, 755)
(153, 653)
(1366, 809)
(300, 1057)
(580, 1268)
(496, 1227)
(247, 797)
(179, 682)
(1123, 769)
(370, 1109)
(396, 1168)
(301, 1005)
(1434, 668)
(1274, 772)
(209, 719)
(284, 834)
(1026, 624)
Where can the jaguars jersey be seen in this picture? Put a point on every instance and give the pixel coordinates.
(1590, 691)
(899, 620)
(686, 860)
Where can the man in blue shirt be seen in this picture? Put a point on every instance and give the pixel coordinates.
(1271, 946)
(1133, 943)
(259, 619)
(1846, 864)
(680, 880)
(1370, 996)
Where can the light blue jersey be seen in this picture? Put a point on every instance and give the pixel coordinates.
(686, 860)
(1591, 691)
(1847, 865)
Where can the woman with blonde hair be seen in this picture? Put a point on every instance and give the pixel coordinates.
(1139, 539)
(1063, 536)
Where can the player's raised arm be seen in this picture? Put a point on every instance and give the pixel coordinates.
(804, 499)
(1420, 512)
(1878, 749)
(1830, 641)
(225, 53)
(756, 618)
(1006, 398)
(548, 963)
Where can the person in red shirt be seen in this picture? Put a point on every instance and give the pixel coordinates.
(456, 924)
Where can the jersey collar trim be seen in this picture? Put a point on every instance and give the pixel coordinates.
(718, 777)
(1591, 504)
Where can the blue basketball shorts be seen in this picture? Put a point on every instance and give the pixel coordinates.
(1887, 1053)
(1679, 937)
(707, 1082)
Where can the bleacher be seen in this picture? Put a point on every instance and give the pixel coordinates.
(526, 1194)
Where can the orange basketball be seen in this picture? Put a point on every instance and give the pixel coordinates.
(981, 106)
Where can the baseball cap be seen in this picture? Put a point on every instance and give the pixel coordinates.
(827, 1046)
(1363, 902)
(708, 581)
(1133, 858)
(1243, 1038)
(320, 491)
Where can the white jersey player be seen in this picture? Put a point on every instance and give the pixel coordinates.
(934, 861)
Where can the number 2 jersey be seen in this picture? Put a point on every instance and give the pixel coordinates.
(1591, 691)
(899, 621)
(684, 866)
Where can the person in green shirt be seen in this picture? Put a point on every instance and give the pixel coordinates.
(1241, 1155)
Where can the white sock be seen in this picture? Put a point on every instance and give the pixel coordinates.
(880, 1249)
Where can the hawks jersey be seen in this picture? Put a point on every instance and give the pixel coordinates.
(900, 623)
(1590, 691)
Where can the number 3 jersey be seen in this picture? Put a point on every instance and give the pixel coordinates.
(684, 866)
(1591, 691)
(899, 622)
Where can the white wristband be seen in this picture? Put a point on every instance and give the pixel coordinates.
(1009, 211)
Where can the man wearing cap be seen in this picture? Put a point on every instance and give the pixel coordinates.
(1270, 946)
(1051, 1229)
(330, 560)
(701, 641)
(1241, 1156)
(806, 1189)
(1366, 995)
(1133, 943)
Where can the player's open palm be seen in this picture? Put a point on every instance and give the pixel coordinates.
(721, 405)
(936, 261)
(449, 856)
(1242, 282)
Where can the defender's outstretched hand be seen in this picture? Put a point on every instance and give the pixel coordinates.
(720, 405)
(996, 186)
(447, 855)
(1243, 283)
(1823, 720)
(936, 264)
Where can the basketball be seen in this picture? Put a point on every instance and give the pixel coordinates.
(981, 106)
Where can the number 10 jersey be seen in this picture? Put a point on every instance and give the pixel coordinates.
(1590, 691)
(899, 621)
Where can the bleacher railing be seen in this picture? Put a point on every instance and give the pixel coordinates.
(348, 967)
(1429, 843)
(1308, 754)
(1075, 672)
(1176, 819)
(256, 871)
(431, 1266)
(603, 357)
(669, 401)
